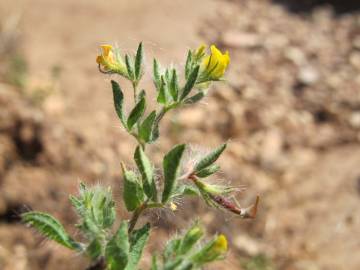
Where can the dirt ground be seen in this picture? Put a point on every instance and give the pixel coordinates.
(290, 110)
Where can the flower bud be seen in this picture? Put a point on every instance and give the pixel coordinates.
(212, 189)
(111, 61)
(200, 52)
(213, 250)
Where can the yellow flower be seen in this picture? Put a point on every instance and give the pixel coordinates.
(220, 245)
(215, 64)
(173, 206)
(214, 250)
(110, 60)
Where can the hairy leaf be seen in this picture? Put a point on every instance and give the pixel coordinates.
(136, 113)
(147, 172)
(186, 190)
(50, 228)
(138, 241)
(129, 67)
(147, 127)
(139, 59)
(119, 102)
(195, 98)
(171, 166)
(117, 249)
(163, 95)
(188, 64)
(190, 83)
(208, 171)
(93, 250)
(191, 237)
(174, 85)
(133, 193)
(156, 74)
(210, 158)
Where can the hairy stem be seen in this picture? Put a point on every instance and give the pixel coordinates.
(136, 216)
(134, 85)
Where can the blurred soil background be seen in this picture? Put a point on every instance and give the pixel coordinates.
(290, 110)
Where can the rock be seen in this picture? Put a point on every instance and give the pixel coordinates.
(308, 75)
(354, 60)
(356, 43)
(295, 55)
(276, 41)
(354, 120)
(238, 39)
(271, 149)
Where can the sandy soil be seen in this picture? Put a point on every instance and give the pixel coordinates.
(290, 110)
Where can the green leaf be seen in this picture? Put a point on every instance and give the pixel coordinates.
(117, 249)
(147, 172)
(171, 166)
(102, 207)
(171, 248)
(213, 250)
(139, 58)
(174, 85)
(195, 98)
(77, 205)
(155, 133)
(190, 83)
(192, 236)
(96, 209)
(119, 102)
(208, 171)
(210, 158)
(186, 190)
(93, 250)
(173, 264)
(136, 113)
(129, 67)
(146, 128)
(156, 74)
(138, 241)
(163, 95)
(50, 228)
(142, 94)
(188, 64)
(133, 193)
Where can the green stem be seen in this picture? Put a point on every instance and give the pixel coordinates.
(134, 85)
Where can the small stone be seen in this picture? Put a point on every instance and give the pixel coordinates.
(237, 39)
(295, 55)
(356, 43)
(276, 41)
(308, 75)
(271, 147)
(354, 60)
(354, 120)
